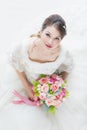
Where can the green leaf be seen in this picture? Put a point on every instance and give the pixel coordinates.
(63, 85)
(35, 83)
(65, 81)
(67, 93)
(51, 92)
(42, 75)
(49, 84)
(52, 109)
(37, 94)
(35, 89)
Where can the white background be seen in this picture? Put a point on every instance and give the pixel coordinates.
(20, 18)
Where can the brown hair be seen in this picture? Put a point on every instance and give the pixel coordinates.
(57, 21)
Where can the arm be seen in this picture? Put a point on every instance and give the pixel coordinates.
(27, 85)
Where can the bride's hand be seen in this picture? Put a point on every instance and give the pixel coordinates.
(30, 93)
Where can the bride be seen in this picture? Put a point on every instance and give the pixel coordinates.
(42, 53)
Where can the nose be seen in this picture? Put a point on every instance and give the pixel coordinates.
(50, 41)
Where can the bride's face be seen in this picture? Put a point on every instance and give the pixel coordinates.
(51, 37)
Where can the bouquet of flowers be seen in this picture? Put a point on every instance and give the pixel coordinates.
(50, 91)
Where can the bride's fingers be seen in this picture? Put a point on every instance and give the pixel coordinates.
(31, 99)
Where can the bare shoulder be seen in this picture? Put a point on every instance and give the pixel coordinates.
(27, 41)
(31, 40)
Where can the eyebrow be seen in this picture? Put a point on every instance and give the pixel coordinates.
(56, 36)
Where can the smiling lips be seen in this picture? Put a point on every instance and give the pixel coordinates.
(49, 46)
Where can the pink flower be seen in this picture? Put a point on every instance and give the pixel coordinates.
(49, 101)
(63, 92)
(58, 78)
(43, 80)
(42, 96)
(51, 80)
(58, 96)
(59, 82)
(54, 76)
(45, 88)
(56, 103)
(36, 98)
(54, 87)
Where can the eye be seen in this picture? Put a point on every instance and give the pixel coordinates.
(57, 38)
(47, 34)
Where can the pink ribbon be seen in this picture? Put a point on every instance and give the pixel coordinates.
(24, 99)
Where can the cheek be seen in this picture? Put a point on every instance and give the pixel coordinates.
(56, 43)
(44, 38)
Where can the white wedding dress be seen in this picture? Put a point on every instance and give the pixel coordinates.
(71, 114)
